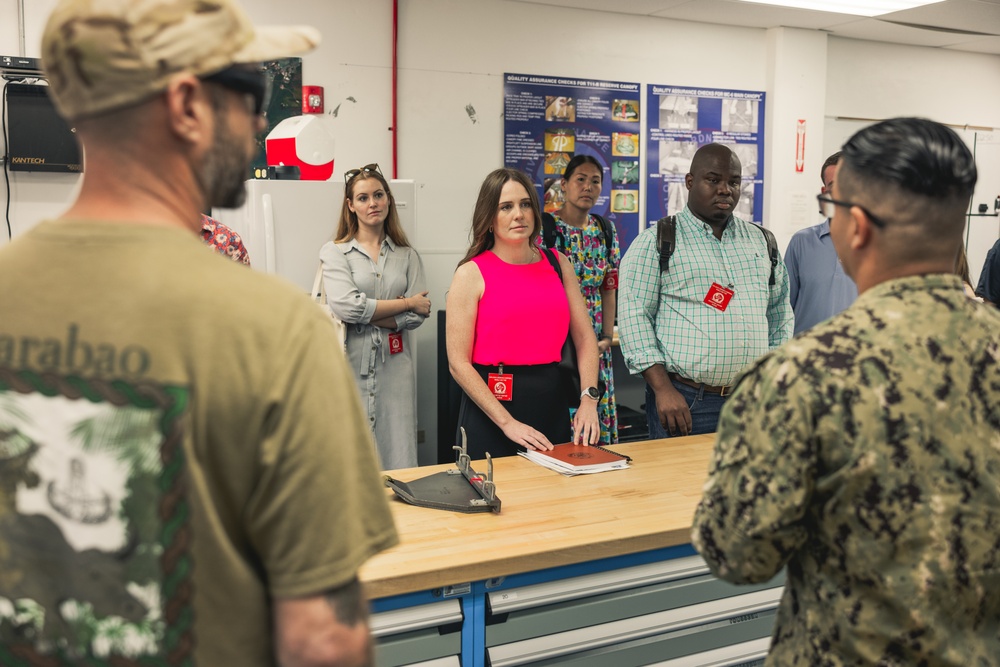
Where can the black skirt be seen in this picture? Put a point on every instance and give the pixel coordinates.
(537, 401)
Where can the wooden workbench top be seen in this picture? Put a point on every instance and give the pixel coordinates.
(546, 519)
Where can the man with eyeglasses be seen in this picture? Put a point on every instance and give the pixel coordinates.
(173, 489)
(818, 288)
(863, 455)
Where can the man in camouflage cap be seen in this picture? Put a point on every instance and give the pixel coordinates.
(173, 488)
(864, 455)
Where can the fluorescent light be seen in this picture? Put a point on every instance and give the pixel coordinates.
(868, 8)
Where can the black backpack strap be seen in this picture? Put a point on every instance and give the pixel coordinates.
(550, 255)
(608, 231)
(549, 230)
(666, 240)
(772, 250)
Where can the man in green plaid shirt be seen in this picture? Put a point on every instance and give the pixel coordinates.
(691, 329)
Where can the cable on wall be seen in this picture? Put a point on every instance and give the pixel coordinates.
(968, 216)
(6, 158)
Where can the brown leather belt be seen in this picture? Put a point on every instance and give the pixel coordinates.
(711, 389)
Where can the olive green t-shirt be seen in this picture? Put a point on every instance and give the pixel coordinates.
(180, 441)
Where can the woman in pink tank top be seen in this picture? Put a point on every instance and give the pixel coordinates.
(508, 315)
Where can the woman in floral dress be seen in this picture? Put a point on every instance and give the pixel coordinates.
(579, 237)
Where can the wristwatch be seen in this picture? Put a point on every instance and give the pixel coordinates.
(590, 392)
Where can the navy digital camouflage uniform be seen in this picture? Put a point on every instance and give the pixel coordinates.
(865, 455)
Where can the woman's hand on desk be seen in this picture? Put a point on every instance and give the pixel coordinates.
(586, 425)
(526, 436)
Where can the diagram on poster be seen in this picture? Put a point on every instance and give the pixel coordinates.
(684, 119)
(548, 120)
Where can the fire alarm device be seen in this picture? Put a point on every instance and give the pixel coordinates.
(312, 99)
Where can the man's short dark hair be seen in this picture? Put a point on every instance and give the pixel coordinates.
(917, 155)
(829, 162)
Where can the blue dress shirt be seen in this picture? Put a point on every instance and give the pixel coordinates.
(989, 279)
(818, 286)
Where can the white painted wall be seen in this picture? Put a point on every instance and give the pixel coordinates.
(796, 91)
(9, 28)
(876, 80)
(452, 53)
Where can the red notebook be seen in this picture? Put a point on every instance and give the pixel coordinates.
(575, 459)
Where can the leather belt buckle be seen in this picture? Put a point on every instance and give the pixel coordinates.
(728, 389)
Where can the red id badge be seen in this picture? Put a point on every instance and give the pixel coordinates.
(610, 280)
(502, 385)
(395, 343)
(718, 297)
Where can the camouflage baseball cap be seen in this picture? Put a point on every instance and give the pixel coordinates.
(101, 55)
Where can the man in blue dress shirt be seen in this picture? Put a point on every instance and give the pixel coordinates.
(818, 287)
(989, 279)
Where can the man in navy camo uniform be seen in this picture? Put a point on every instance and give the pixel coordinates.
(864, 455)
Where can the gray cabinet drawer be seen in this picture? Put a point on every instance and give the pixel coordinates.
(450, 661)
(744, 654)
(558, 606)
(426, 635)
(650, 638)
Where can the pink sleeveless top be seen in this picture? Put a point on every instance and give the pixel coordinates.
(523, 314)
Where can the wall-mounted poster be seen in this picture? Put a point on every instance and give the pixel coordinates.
(683, 119)
(548, 120)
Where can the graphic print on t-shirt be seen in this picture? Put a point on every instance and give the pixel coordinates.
(94, 562)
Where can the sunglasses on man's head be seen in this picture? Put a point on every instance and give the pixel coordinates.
(367, 169)
(252, 81)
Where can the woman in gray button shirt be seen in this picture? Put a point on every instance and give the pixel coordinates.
(374, 282)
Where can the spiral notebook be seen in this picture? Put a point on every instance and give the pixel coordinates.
(571, 459)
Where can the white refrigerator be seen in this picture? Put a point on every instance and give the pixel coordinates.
(284, 223)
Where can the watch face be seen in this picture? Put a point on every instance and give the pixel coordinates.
(592, 392)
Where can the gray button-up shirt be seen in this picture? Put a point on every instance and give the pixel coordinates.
(354, 282)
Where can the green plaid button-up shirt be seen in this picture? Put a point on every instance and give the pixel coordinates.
(665, 320)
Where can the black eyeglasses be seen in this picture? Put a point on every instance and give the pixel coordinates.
(251, 81)
(827, 206)
(367, 169)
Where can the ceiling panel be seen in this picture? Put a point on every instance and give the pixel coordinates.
(882, 31)
(735, 13)
(990, 45)
(642, 7)
(973, 16)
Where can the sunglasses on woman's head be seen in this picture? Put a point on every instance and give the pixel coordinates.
(367, 169)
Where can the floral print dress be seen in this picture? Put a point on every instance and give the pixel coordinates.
(586, 250)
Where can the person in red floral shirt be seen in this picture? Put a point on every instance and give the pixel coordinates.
(223, 240)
